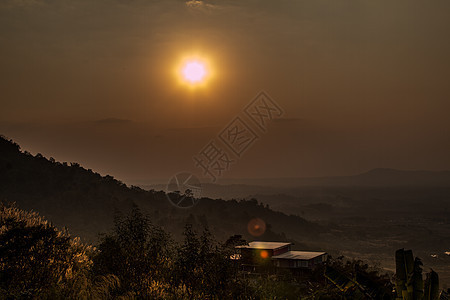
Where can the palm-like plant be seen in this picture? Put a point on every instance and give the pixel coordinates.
(409, 281)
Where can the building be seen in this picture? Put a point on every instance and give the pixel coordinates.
(279, 255)
(300, 259)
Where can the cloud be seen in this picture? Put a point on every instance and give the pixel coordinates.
(194, 3)
(201, 6)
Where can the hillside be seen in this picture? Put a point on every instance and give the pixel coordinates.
(366, 222)
(69, 195)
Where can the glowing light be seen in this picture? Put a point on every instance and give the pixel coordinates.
(194, 71)
(264, 254)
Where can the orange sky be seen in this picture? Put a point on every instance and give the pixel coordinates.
(364, 84)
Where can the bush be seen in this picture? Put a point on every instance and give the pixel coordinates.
(38, 261)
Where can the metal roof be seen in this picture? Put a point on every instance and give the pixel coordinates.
(264, 245)
(302, 255)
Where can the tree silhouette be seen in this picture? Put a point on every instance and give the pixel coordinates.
(137, 252)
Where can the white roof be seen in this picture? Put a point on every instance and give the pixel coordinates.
(303, 255)
(264, 245)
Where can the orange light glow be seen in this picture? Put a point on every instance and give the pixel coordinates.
(264, 254)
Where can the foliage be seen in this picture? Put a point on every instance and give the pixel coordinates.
(39, 261)
(409, 281)
(356, 280)
(431, 286)
(138, 260)
(204, 268)
(138, 253)
(85, 201)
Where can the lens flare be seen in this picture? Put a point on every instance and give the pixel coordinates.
(256, 227)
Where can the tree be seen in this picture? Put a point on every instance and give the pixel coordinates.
(138, 253)
(204, 269)
(409, 281)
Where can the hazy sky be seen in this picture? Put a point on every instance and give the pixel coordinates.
(364, 84)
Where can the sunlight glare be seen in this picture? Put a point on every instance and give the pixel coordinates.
(194, 71)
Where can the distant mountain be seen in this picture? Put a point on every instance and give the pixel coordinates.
(70, 195)
(376, 177)
(392, 177)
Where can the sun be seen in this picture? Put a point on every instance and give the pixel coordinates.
(194, 71)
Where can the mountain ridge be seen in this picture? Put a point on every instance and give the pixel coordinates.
(85, 201)
(373, 177)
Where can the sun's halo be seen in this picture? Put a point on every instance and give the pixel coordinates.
(194, 71)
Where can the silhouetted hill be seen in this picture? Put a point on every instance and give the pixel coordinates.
(84, 201)
(66, 194)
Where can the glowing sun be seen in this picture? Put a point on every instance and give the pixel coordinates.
(194, 71)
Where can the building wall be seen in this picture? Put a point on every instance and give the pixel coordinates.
(255, 257)
(298, 263)
(282, 250)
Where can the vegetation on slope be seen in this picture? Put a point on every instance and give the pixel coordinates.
(84, 201)
(138, 260)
